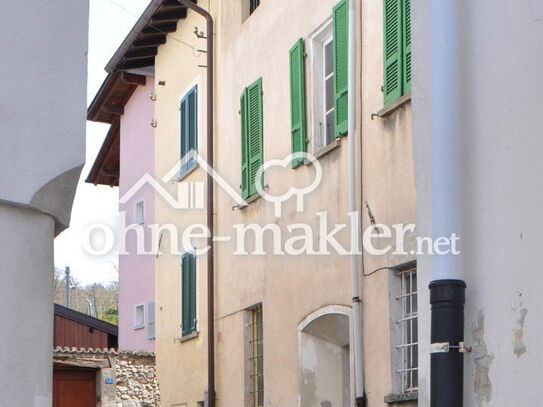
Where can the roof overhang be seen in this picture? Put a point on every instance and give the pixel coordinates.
(127, 69)
(139, 48)
(108, 107)
(85, 319)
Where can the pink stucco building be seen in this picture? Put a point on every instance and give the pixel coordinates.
(127, 154)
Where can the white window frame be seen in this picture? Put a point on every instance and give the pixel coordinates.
(138, 324)
(404, 317)
(139, 212)
(318, 40)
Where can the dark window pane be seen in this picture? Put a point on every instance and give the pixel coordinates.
(329, 89)
(328, 59)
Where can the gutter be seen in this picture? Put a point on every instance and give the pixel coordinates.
(354, 235)
(447, 288)
(210, 204)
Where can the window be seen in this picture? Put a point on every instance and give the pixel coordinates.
(253, 4)
(256, 359)
(151, 320)
(323, 80)
(407, 331)
(189, 130)
(397, 49)
(139, 316)
(188, 294)
(252, 128)
(139, 212)
(329, 48)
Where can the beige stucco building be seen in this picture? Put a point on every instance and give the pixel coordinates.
(283, 323)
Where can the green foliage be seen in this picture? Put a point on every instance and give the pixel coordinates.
(110, 315)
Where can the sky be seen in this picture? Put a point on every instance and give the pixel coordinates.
(110, 21)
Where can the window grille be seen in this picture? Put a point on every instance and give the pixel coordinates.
(256, 359)
(408, 323)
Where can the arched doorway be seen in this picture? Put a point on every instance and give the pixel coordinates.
(325, 373)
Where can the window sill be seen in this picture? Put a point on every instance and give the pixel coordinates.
(137, 328)
(249, 200)
(389, 109)
(187, 172)
(188, 337)
(402, 397)
(325, 150)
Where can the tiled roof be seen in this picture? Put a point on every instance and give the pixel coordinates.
(103, 351)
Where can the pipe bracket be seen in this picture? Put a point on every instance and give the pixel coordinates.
(445, 347)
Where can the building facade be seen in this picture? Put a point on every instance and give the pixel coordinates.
(126, 156)
(283, 322)
(42, 133)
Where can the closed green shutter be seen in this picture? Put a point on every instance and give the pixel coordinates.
(244, 186)
(393, 79)
(297, 100)
(341, 62)
(255, 129)
(189, 127)
(406, 45)
(188, 294)
(192, 292)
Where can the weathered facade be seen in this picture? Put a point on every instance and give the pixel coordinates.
(500, 193)
(283, 322)
(300, 296)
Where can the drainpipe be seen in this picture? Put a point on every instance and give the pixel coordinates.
(355, 243)
(447, 288)
(210, 205)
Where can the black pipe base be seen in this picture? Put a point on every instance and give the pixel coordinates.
(447, 298)
(361, 401)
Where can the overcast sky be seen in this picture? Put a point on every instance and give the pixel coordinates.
(110, 21)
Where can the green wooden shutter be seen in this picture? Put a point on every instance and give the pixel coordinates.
(188, 294)
(185, 297)
(254, 131)
(183, 126)
(392, 50)
(297, 100)
(244, 186)
(406, 38)
(341, 62)
(192, 292)
(192, 98)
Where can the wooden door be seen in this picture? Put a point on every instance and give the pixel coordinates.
(74, 388)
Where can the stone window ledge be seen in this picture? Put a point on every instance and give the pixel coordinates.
(187, 172)
(388, 110)
(402, 397)
(188, 337)
(325, 150)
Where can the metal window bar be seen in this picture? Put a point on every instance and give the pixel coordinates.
(253, 5)
(408, 348)
(257, 357)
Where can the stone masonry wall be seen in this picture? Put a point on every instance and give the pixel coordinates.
(137, 384)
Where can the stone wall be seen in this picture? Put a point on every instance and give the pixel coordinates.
(136, 380)
(123, 378)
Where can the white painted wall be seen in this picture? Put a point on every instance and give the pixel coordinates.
(26, 307)
(42, 128)
(43, 47)
(502, 195)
